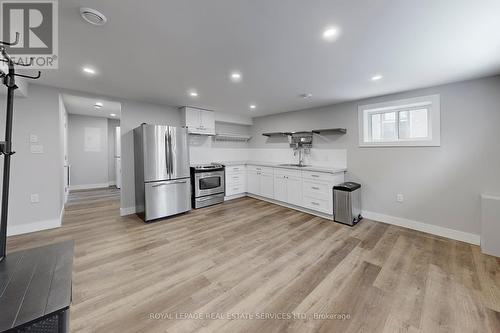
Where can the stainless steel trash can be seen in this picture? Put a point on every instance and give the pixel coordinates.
(347, 203)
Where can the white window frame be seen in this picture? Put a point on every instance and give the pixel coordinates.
(431, 103)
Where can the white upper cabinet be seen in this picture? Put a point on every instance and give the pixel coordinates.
(198, 121)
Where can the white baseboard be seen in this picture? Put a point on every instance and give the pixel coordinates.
(26, 228)
(113, 183)
(402, 222)
(88, 186)
(424, 227)
(284, 204)
(236, 196)
(127, 211)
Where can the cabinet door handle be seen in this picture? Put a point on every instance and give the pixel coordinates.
(315, 188)
(315, 176)
(315, 203)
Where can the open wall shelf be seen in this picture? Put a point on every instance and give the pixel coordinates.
(320, 131)
(331, 131)
(276, 134)
(231, 137)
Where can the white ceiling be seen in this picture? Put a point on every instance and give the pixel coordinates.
(157, 50)
(86, 106)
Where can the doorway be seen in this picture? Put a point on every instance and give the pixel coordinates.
(91, 147)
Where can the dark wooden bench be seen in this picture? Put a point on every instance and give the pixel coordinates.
(35, 289)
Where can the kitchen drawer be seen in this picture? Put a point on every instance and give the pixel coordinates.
(317, 189)
(287, 172)
(261, 169)
(235, 189)
(320, 205)
(235, 168)
(318, 176)
(235, 178)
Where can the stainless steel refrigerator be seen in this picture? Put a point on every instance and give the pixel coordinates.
(162, 179)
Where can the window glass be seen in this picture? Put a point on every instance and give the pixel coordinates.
(383, 126)
(410, 122)
(413, 124)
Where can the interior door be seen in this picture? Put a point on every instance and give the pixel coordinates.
(118, 140)
(154, 140)
(178, 152)
(118, 172)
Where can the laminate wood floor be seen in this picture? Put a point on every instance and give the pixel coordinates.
(252, 266)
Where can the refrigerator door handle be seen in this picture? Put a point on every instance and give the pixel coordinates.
(167, 152)
(171, 153)
(158, 185)
(170, 183)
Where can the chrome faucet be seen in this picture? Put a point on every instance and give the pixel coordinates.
(301, 155)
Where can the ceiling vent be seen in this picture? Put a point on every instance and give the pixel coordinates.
(93, 16)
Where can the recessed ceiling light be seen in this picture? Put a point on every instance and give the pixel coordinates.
(89, 70)
(330, 33)
(236, 76)
(253, 106)
(193, 94)
(113, 114)
(98, 105)
(306, 95)
(93, 16)
(377, 77)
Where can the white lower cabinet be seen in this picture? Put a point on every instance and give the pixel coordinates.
(236, 180)
(288, 186)
(260, 181)
(280, 188)
(307, 189)
(253, 182)
(294, 187)
(267, 185)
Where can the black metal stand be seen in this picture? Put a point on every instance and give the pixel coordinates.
(6, 149)
(8, 79)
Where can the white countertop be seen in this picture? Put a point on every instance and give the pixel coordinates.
(277, 165)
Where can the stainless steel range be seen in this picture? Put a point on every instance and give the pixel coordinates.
(208, 185)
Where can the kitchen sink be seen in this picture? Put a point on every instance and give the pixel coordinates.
(294, 165)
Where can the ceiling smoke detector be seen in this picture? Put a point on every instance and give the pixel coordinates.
(93, 16)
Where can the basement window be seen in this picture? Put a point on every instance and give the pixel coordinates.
(408, 122)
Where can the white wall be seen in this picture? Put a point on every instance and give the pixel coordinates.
(31, 173)
(441, 185)
(89, 167)
(112, 125)
(133, 115)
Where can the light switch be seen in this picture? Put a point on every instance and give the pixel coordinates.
(36, 149)
(33, 138)
(35, 198)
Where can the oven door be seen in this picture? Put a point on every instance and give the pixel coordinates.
(207, 183)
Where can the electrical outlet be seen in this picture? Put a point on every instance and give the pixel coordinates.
(36, 149)
(33, 138)
(400, 198)
(35, 198)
